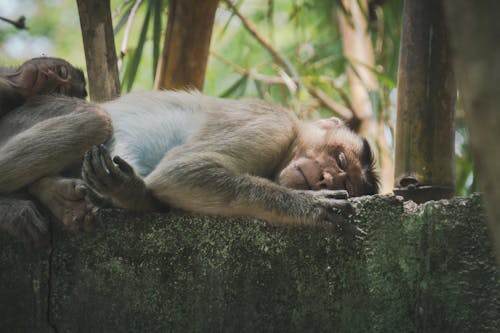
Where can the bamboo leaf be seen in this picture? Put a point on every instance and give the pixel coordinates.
(380, 76)
(258, 86)
(133, 65)
(226, 25)
(234, 87)
(123, 18)
(157, 26)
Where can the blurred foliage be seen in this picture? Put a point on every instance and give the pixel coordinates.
(304, 32)
(53, 30)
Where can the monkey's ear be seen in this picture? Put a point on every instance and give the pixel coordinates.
(329, 123)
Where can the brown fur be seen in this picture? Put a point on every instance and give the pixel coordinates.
(231, 158)
(240, 161)
(40, 136)
(39, 76)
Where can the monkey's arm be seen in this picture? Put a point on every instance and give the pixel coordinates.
(208, 187)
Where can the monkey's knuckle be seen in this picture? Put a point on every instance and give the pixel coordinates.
(318, 211)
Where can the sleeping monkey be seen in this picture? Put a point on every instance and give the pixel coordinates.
(187, 151)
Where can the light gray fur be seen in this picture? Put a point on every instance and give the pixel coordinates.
(149, 124)
(192, 152)
(208, 155)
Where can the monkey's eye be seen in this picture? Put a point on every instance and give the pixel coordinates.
(62, 72)
(342, 161)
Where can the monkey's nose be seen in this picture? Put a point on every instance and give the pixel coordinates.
(327, 177)
(325, 180)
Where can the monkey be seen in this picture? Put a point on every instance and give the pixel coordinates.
(187, 151)
(39, 76)
(20, 215)
(228, 157)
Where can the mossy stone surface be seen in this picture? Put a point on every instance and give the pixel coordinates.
(425, 268)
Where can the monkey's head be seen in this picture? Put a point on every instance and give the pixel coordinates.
(46, 75)
(330, 156)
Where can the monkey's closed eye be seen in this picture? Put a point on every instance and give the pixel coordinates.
(62, 72)
(342, 161)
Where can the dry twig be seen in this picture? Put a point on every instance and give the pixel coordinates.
(20, 23)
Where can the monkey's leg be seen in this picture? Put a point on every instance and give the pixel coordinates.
(21, 218)
(36, 110)
(65, 198)
(51, 145)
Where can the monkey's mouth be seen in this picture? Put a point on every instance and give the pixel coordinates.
(299, 170)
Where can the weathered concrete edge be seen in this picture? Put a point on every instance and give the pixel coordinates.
(408, 264)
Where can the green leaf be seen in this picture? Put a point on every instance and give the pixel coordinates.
(375, 102)
(226, 25)
(132, 66)
(157, 26)
(233, 89)
(124, 17)
(258, 86)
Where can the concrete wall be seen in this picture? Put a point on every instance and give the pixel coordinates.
(422, 268)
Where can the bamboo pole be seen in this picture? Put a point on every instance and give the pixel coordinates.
(100, 52)
(187, 41)
(425, 128)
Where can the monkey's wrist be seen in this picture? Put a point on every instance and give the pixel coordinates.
(37, 188)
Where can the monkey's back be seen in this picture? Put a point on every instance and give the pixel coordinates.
(147, 125)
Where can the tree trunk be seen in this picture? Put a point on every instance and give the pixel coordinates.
(358, 49)
(425, 131)
(100, 52)
(187, 42)
(474, 29)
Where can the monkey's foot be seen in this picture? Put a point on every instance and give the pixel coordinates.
(65, 198)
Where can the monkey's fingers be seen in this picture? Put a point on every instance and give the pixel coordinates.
(107, 174)
(81, 190)
(123, 165)
(91, 220)
(101, 172)
(340, 204)
(51, 81)
(116, 176)
(54, 78)
(107, 162)
(89, 176)
(338, 194)
(333, 194)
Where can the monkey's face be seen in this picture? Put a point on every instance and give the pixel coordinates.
(331, 158)
(51, 75)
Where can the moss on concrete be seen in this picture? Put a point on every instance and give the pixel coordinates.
(420, 269)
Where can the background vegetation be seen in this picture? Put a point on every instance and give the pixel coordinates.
(304, 32)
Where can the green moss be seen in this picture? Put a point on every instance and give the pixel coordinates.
(429, 269)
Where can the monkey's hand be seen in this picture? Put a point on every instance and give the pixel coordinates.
(116, 180)
(40, 76)
(332, 207)
(53, 82)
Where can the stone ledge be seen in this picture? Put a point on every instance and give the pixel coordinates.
(425, 268)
